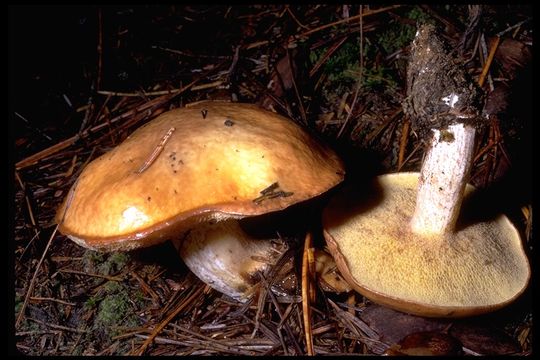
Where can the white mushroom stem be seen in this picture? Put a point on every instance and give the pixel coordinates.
(442, 180)
(226, 258)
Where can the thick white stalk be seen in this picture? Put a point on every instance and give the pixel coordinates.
(442, 180)
(226, 258)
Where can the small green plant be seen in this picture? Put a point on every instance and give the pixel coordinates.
(420, 16)
(342, 68)
(114, 263)
(104, 264)
(116, 308)
(396, 37)
(112, 310)
(18, 304)
(90, 259)
(91, 302)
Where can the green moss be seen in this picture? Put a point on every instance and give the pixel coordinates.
(379, 78)
(90, 259)
(342, 69)
(104, 264)
(92, 302)
(396, 37)
(117, 308)
(420, 16)
(112, 309)
(18, 304)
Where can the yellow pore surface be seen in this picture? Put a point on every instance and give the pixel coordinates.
(481, 264)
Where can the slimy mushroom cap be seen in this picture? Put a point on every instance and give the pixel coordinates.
(213, 160)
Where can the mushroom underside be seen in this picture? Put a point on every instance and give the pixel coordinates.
(477, 268)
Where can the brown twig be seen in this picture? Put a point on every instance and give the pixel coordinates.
(306, 285)
(33, 298)
(489, 60)
(146, 288)
(360, 80)
(403, 142)
(349, 19)
(284, 325)
(160, 92)
(294, 18)
(296, 91)
(183, 304)
(59, 327)
(326, 26)
(332, 49)
(28, 205)
(33, 281)
(31, 160)
(77, 272)
(418, 146)
(383, 126)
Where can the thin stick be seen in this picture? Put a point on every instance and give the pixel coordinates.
(234, 62)
(160, 92)
(179, 52)
(157, 329)
(277, 308)
(33, 298)
(323, 27)
(403, 142)
(31, 160)
(487, 65)
(383, 126)
(327, 54)
(28, 205)
(306, 308)
(294, 18)
(33, 281)
(360, 79)
(296, 91)
(352, 18)
(77, 272)
(146, 288)
(156, 151)
(59, 327)
(499, 34)
(31, 127)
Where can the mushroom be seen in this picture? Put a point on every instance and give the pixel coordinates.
(210, 162)
(223, 255)
(404, 244)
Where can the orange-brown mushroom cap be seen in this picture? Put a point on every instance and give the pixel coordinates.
(217, 162)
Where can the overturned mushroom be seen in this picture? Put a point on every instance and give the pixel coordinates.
(209, 162)
(404, 244)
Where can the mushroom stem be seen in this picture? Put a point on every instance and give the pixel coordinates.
(442, 180)
(226, 258)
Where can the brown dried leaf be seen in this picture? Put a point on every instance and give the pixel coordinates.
(427, 343)
(484, 340)
(512, 55)
(393, 326)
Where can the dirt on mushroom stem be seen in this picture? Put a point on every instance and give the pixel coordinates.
(421, 262)
(132, 80)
